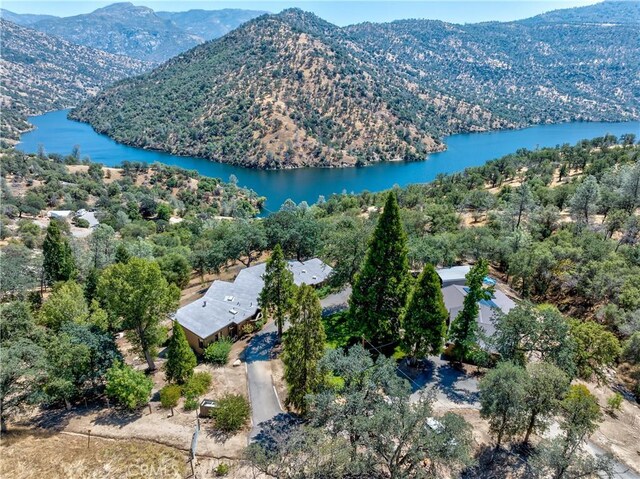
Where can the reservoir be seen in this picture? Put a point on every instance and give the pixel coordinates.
(57, 134)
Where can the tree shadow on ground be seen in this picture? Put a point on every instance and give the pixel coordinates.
(116, 417)
(450, 382)
(492, 464)
(419, 375)
(260, 347)
(59, 418)
(276, 430)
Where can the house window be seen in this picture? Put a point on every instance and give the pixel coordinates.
(200, 343)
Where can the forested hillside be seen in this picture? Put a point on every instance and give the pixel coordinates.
(39, 73)
(292, 90)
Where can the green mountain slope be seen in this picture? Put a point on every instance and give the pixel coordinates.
(292, 90)
(39, 73)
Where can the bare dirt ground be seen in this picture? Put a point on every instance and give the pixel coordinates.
(153, 423)
(619, 432)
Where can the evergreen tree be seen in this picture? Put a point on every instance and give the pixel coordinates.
(58, 263)
(303, 348)
(425, 320)
(277, 296)
(180, 358)
(380, 289)
(463, 333)
(584, 201)
(122, 254)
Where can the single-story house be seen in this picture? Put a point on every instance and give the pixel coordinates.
(453, 275)
(227, 307)
(89, 216)
(454, 300)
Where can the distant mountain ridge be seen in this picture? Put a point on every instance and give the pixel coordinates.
(210, 24)
(137, 31)
(39, 73)
(292, 90)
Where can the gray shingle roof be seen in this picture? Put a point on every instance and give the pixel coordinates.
(227, 303)
(454, 299)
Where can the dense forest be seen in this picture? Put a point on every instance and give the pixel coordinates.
(291, 90)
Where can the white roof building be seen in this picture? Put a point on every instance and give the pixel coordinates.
(453, 275)
(60, 214)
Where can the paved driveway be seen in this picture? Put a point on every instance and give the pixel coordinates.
(265, 405)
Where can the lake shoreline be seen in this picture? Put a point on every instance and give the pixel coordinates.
(59, 134)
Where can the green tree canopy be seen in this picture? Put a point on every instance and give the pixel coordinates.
(381, 287)
(503, 393)
(277, 298)
(303, 347)
(127, 386)
(137, 294)
(180, 357)
(59, 263)
(463, 331)
(425, 319)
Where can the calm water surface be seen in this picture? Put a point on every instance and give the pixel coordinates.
(58, 134)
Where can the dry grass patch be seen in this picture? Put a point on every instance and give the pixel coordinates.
(32, 454)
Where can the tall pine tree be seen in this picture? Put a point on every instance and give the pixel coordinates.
(58, 263)
(380, 289)
(425, 319)
(303, 347)
(180, 358)
(278, 295)
(464, 329)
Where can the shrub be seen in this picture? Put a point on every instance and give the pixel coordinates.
(247, 329)
(218, 352)
(222, 469)
(232, 413)
(614, 402)
(198, 385)
(190, 404)
(80, 222)
(169, 396)
(127, 386)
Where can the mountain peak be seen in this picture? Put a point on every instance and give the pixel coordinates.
(123, 7)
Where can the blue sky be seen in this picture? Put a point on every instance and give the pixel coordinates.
(338, 12)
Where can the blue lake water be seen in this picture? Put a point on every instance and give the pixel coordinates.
(58, 134)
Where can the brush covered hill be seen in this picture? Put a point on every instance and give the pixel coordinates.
(39, 73)
(292, 90)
